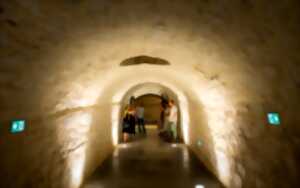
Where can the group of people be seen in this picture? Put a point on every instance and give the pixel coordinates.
(133, 115)
(168, 118)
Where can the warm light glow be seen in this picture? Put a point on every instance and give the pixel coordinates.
(83, 119)
(74, 132)
(183, 105)
(115, 123)
(223, 166)
(77, 167)
(81, 96)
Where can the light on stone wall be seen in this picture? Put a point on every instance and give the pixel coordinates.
(81, 96)
(223, 166)
(185, 120)
(115, 123)
(77, 167)
(220, 128)
(74, 133)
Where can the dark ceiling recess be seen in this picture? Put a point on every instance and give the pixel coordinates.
(144, 60)
(11, 22)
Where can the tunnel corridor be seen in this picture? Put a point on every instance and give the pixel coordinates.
(69, 67)
(149, 162)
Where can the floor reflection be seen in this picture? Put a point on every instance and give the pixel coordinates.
(149, 162)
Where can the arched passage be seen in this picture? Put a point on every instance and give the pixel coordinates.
(233, 61)
(154, 89)
(151, 156)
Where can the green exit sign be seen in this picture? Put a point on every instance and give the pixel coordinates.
(274, 119)
(17, 126)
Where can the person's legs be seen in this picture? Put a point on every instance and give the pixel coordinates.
(139, 122)
(174, 130)
(143, 126)
(169, 130)
(166, 126)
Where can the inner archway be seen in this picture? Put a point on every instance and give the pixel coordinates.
(154, 116)
(157, 90)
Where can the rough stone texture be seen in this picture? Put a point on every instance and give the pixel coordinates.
(231, 63)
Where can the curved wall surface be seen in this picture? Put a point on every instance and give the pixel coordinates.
(230, 64)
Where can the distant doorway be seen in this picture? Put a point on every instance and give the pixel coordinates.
(153, 106)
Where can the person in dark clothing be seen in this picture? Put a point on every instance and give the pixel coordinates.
(164, 106)
(128, 123)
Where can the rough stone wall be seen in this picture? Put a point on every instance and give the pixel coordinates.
(55, 151)
(234, 60)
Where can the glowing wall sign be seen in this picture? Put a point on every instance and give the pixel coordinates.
(18, 126)
(274, 118)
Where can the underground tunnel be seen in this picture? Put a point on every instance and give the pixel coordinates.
(69, 68)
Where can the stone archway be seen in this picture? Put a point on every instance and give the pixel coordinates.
(153, 89)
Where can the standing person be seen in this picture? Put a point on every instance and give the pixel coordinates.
(125, 125)
(162, 118)
(140, 119)
(166, 118)
(172, 119)
(132, 119)
(128, 123)
(163, 104)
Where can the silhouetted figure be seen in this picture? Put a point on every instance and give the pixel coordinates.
(165, 131)
(164, 105)
(128, 123)
(162, 118)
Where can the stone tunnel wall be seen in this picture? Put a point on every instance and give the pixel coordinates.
(235, 61)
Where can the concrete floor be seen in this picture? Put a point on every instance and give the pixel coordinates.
(148, 162)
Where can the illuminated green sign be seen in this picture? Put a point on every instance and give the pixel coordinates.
(18, 126)
(274, 119)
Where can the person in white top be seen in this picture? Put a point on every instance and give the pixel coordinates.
(140, 119)
(172, 118)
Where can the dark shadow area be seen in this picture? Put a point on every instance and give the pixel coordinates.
(144, 60)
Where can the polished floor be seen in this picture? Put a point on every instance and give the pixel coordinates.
(149, 162)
